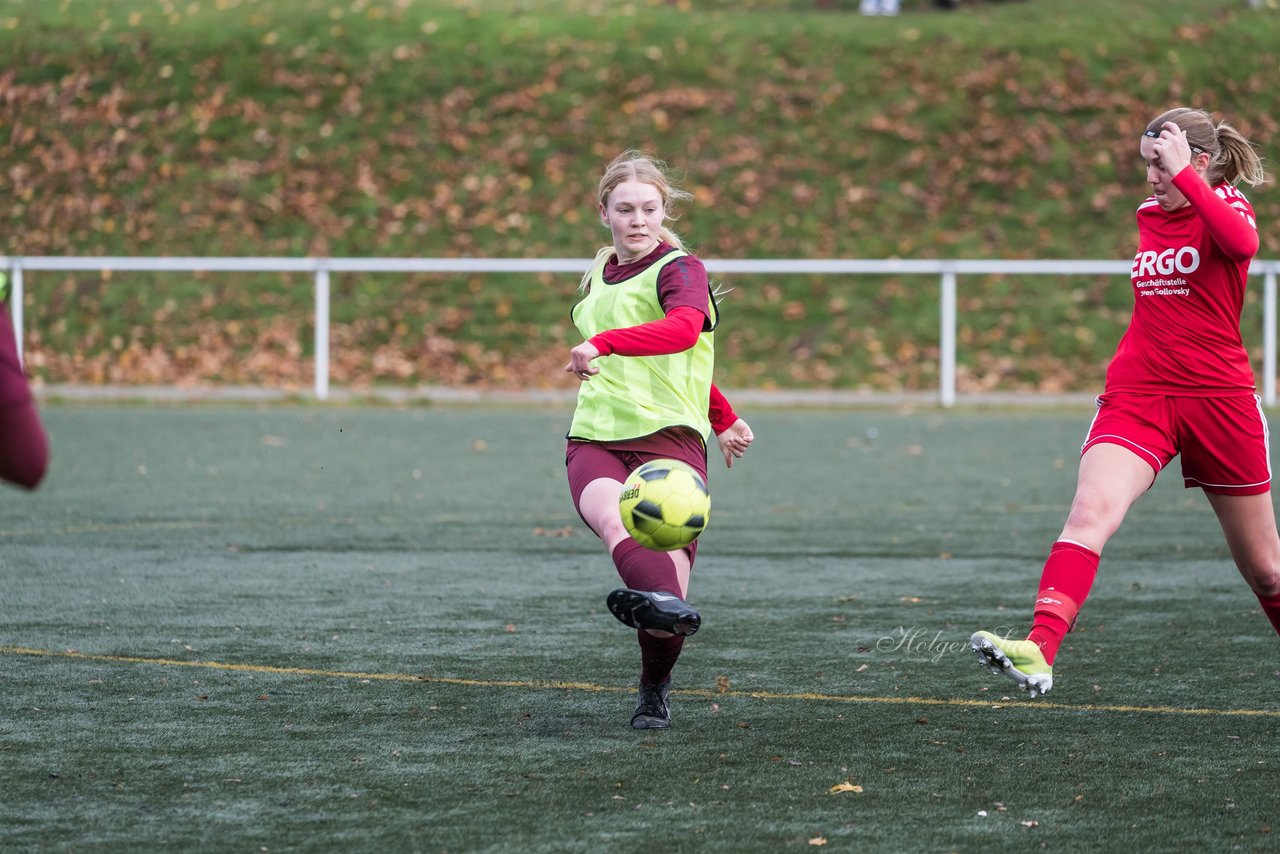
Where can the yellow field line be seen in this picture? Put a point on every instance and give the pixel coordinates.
(196, 524)
(158, 525)
(105, 527)
(587, 686)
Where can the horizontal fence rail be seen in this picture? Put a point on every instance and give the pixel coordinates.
(947, 272)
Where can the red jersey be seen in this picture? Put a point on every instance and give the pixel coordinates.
(1188, 287)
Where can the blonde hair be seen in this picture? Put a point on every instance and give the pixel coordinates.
(1232, 157)
(633, 165)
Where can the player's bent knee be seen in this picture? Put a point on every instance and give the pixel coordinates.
(1093, 521)
(1265, 585)
(613, 532)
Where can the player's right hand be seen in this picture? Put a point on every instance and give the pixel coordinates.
(580, 361)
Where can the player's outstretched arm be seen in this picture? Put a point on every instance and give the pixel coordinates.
(674, 333)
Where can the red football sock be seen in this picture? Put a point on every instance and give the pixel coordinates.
(645, 569)
(658, 656)
(1271, 607)
(1064, 585)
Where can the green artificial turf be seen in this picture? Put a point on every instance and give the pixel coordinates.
(305, 628)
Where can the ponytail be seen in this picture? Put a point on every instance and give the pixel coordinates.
(671, 237)
(1239, 160)
(601, 254)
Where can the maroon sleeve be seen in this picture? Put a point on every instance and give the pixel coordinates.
(684, 282)
(675, 333)
(1229, 229)
(722, 414)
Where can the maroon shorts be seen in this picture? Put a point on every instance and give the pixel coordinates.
(24, 448)
(1223, 440)
(588, 461)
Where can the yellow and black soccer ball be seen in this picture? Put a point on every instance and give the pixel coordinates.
(665, 505)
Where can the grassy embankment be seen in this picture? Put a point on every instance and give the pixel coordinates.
(379, 128)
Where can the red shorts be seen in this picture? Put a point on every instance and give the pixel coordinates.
(588, 461)
(1223, 440)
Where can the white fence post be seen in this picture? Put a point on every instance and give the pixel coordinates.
(15, 304)
(947, 340)
(322, 332)
(1269, 337)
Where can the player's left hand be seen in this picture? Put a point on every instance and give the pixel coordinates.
(734, 441)
(580, 361)
(1172, 151)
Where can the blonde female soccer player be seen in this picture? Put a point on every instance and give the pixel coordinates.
(647, 317)
(1180, 383)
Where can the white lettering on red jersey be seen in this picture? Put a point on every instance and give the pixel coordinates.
(1184, 335)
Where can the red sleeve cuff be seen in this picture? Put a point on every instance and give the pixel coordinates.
(601, 343)
(720, 412)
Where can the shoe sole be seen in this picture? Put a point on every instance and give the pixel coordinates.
(650, 723)
(993, 657)
(640, 610)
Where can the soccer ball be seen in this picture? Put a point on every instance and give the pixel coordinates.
(665, 505)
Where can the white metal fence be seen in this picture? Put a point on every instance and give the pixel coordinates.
(946, 270)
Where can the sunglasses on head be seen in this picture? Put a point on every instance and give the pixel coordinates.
(1156, 135)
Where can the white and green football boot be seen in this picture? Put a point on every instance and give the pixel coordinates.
(1020, 660)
